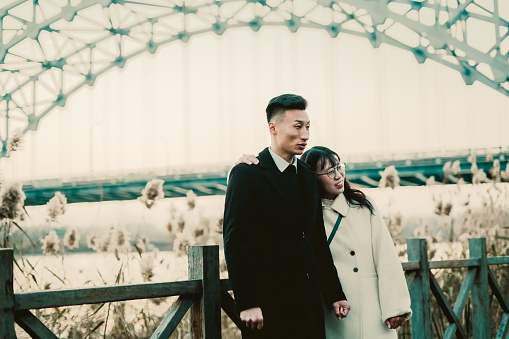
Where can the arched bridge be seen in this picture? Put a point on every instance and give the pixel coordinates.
(412, 170)
(50, 49)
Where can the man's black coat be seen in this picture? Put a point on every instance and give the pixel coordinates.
(276, 249)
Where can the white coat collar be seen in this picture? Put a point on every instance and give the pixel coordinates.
(340, 205)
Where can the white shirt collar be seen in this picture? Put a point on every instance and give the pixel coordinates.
(281, 163)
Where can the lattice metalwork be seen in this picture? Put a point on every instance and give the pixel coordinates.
(51, 48)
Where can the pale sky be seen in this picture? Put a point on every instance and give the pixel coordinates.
(204, 103)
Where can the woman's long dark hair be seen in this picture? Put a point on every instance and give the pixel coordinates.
(321, 154)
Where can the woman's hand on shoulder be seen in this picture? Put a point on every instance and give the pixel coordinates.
(249, 159)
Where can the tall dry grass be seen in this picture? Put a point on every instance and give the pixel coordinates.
(461, 212)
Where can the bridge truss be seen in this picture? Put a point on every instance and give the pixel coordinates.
(213, 180)
(49, 49)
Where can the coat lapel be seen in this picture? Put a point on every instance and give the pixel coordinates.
(275, 177)
(308, 184)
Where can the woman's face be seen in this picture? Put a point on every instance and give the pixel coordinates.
(330, 188)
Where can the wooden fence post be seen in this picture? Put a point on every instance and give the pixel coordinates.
(421, 322)
(206, 314)
(6, 294)
(480, 290)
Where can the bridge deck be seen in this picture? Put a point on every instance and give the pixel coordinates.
(212, 181)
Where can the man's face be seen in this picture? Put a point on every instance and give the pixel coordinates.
(290, 133)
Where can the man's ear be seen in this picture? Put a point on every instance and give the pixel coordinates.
(272, 128)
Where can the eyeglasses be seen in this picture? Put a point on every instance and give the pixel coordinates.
(331, 172)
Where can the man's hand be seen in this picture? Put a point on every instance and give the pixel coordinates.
(395, 322)
(253, 318)
(248, 159)
(341, 308)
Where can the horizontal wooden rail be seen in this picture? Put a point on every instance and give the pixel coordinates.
(68, 297)
(411, 265)
(96, 295)
(454, 263)
(498, 261)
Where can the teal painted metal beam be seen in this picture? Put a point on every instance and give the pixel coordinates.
(39, 193)
(213, 182)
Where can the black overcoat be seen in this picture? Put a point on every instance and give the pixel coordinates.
(276, 249)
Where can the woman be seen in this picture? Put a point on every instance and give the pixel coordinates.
(364, 255)
(363, 252)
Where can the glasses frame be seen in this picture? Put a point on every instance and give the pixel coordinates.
(331, 172)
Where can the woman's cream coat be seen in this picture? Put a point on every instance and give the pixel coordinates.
(370, 273)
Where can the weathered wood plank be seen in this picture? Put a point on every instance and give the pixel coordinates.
(228, 305)
(497, 291)
(480, 291)
(195, 271)
(454, 263)
(69, 297)
(33, 326)
(498, 261)
(171, 320)
(226, 285)
(451, 330)
(211, 292)
(420, 290)
(447, 309)
(410, 276)
(6, 294)
(206, 314)
(411, 265)
(465, 288)
(504, 327)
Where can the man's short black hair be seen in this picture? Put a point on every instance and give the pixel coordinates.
(284, 102)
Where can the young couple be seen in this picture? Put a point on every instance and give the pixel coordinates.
(290, 226)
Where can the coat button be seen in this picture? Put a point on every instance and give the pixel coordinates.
(355, 269)
(352, 252)
(307, 275)
(303, 235)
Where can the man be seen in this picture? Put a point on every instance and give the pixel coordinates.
(275, 245)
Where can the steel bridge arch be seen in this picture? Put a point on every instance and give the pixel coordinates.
(51, 48)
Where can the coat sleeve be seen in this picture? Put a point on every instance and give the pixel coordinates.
(392, 286)
(328, 281)
(237, 228)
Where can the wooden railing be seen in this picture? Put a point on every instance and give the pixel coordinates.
(204, 294)
(477, 282)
